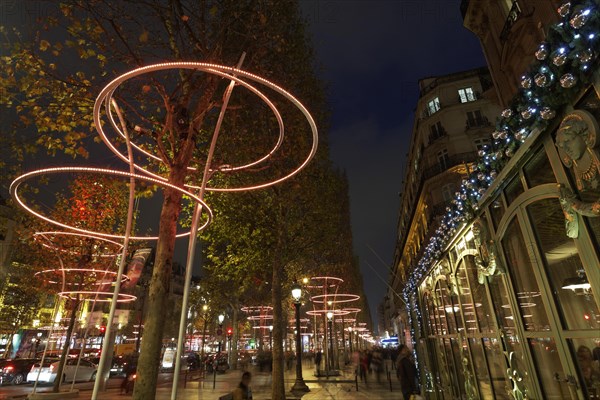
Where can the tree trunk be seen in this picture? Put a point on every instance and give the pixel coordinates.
(65, 351)
(158, 290)
(279, 325)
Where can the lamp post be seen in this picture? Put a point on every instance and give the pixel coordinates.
(350, 338)
(330, 326)
(271, 338)
(221, 318)
(204, 311)
(299, 385)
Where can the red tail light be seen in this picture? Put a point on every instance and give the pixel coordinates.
(8, 369)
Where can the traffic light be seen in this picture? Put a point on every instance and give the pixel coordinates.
(229, 331)
(102, 330)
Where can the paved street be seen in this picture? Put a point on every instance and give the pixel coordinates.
(321, 389)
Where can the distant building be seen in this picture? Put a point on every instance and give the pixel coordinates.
(452, 123)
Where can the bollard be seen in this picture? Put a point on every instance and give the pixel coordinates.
(356, 379)
(214, 378)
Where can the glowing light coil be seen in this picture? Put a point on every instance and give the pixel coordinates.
(328, 282)
(335, 298)
(44, 240)
(233, 74)
(87, 271)
(352, 309)
(14, 191)
(254, 309)
(323, 312)
(258, 317)
(99, 296)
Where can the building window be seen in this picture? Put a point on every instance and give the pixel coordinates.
(447, 191)
(481, 143)
(476, 119)
(443, 159)
(466, 95)
(436, 131)
(433, 106)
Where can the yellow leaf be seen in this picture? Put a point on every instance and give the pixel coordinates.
(44, 45)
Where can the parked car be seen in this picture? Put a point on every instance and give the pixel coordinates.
(86, 371)
(15, 371)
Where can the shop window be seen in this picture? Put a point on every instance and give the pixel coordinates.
(586, 353)
(497, 211)
(514, 189)
(525, 285)
(549, 368)
(497, 365)
(570, 286)
(466, 95)
(538, 170)
(480, 368)
(480, 305)
(503, 310)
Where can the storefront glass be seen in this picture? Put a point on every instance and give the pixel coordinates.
(570, 287)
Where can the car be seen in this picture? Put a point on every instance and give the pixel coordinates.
(86, 371)
(15, 371)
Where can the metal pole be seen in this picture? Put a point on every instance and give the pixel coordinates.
(99, 382)
(331, 362)
(299, 385)
(194, 236)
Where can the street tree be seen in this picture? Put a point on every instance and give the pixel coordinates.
(51, 82)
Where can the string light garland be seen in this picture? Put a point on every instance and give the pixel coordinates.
(563, 66)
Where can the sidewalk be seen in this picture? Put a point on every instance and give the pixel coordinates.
(320, 388)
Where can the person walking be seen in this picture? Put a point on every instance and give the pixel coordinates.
(407, 373)
(318, 359)
(364, 366)
(243, 392)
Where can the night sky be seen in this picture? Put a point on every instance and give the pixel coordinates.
(372, 54)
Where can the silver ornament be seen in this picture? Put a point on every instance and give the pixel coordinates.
(503, 134)
(542, 52)
(493, 174)
(509, 153)
(507, 113)
(481, 176)
(547, 113)
(559, 59)
(541, 80)
(463, 196)
(580, 16)
(481, 153)
(481, 191)
(527, 113)
(520, 136)
(496, 135)
(568, 81)
(499, 155)
(563, 10)
(526, 82)
(585, 56)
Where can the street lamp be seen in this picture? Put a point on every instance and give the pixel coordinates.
(330, 324)
(221, 318)
(271, 337)
(299, 385)
(350, 338)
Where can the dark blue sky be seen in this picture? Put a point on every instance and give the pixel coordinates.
(372, 54)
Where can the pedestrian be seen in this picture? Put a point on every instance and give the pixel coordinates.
(364, 366)
(318, 359)
(243, 392)
(407, 373)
